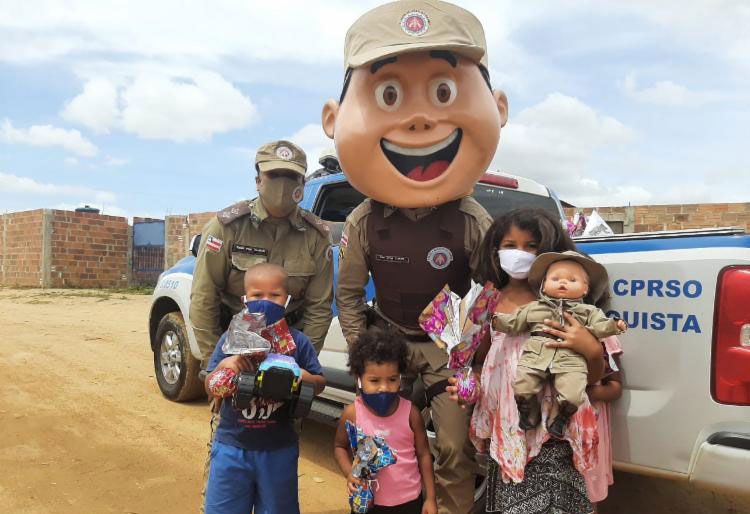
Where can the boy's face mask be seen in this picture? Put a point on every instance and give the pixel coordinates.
(272, 311)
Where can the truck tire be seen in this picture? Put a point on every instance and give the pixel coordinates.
(175, 367)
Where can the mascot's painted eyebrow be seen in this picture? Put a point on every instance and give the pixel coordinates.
(435, 54)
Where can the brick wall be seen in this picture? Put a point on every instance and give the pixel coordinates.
(89, 250)
(21, 248)
(179, 230)
(651, 218)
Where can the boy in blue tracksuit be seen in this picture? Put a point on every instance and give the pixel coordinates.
(255, 451)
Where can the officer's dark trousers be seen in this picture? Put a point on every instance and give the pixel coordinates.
(454, 464)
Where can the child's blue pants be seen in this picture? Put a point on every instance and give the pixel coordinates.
(241, 480)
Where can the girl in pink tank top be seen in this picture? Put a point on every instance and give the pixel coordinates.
(377, 360)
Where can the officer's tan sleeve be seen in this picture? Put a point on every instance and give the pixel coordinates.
(317, 312)
(478, 221)
(209, 279)
(600, 325)
(354, 273)
(512, 323)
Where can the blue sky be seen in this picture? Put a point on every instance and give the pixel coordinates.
(153, 108)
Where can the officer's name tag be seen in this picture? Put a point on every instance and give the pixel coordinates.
(250, 250)
(392, 258)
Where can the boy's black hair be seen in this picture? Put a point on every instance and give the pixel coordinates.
(378, 346)
(348, 74)
(546, 229)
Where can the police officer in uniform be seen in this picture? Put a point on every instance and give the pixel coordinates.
(416, 126)
(270, 228)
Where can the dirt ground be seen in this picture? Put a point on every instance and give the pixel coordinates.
(86, 430)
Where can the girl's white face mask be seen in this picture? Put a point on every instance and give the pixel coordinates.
(516, 263)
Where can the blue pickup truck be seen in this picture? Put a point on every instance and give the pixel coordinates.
(685, 411)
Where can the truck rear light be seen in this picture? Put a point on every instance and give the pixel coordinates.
(730, 359)
(499, 180)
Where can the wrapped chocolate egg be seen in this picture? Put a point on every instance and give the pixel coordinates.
(467, 386)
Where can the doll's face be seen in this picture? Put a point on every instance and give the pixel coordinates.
(566, 279)
(416, 130)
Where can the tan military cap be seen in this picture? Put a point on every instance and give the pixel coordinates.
(414, 25)
(281, 155)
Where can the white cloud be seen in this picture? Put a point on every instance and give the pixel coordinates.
(666, 92)
(24, 185)
(555, 143)
(47, 135)
(71, 161)
(179, 104)
(95, 108)
(313, 141)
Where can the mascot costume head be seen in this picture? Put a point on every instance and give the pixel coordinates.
(417, 123)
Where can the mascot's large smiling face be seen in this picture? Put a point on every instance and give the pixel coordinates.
(416, 129)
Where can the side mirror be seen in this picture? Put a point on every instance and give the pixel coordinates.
(195, 244)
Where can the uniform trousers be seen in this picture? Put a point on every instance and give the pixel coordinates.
(454, 463)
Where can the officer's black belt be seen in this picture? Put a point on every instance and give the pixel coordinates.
(435, 389)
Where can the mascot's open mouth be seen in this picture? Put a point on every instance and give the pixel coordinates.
(423, 164)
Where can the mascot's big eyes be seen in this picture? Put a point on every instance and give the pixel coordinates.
(388, 95)
(443, 91)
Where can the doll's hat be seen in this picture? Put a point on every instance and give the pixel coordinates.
(598, 278)
(414, 25)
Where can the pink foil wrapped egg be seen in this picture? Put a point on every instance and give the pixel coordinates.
(467, 386)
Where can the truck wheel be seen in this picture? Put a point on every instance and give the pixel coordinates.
(175, 367)
(480, 479)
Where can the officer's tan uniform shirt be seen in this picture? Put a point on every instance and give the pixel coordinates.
(243, 235)
(354, 257)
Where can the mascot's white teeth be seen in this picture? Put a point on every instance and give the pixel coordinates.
(421, 152)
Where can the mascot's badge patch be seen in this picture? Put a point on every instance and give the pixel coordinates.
(284, 152)
(415, 23)
(440, 257)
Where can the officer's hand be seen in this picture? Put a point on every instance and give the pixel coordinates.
(236, 363)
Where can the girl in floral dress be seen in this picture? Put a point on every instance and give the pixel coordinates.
(529, 472)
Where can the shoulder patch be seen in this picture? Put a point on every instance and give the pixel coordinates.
(360, 212)
(317, 223)
(231, 213)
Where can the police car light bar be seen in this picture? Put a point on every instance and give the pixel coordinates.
(499, 180)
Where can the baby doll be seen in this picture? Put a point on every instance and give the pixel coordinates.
(563, 280)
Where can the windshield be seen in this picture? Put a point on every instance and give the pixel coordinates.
(498, 200)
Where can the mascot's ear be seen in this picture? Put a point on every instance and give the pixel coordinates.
(330, 111)
(502, 106)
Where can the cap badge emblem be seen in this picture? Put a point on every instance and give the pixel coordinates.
(415, 23)
(284, 152)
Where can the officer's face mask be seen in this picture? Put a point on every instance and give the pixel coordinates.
(379, 402)
(280, 194)
(273, 311)
(516, 263)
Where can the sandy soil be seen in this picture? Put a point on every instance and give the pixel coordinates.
(84, 426)
(86, 430)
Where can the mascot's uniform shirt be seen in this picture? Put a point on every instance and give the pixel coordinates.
(253, 459)
(412, 253)
(243, 235)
